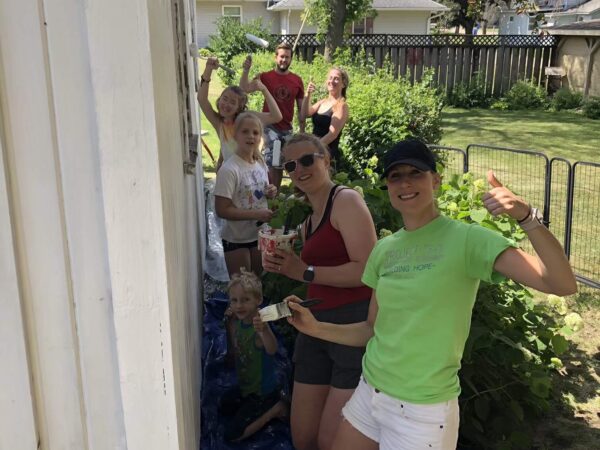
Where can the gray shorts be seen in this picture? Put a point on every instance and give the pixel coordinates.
(325, 363)
(271, 135)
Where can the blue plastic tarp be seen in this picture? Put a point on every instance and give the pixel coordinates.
(218, 378)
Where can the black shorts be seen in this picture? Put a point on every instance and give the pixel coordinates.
(243, 411)
(325, 363)
(231, 246)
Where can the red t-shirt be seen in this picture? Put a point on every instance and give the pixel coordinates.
(285, 88)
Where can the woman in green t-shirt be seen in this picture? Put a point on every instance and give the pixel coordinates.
(425, 279)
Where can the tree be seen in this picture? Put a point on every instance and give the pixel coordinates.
(332, 16)
(466, 13)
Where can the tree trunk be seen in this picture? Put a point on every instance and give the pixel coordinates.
(335, 33)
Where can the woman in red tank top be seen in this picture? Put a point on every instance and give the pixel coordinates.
(338, 238)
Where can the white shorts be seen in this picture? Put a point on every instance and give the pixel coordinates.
(399, 425)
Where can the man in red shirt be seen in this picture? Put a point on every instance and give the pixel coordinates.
(287, 88)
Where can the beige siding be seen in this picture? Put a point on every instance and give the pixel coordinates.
(388, 22)
(573, 58)
(401, 22)
(295, 22)
(208, 12)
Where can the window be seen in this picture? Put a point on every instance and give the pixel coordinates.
(233, 12)
(363, 26)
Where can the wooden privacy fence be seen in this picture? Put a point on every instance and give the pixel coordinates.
(498, 60)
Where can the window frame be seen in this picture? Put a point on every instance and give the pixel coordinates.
(241, 16)
(367, 27)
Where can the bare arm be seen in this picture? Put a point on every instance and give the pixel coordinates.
(264, 332)
(338, 120)
(549, 270)
(274, 114)
(306, 109)
(352, 218)
(225, 209)
(244, 82)
(211, 115)
(301, 119)
(353, 334)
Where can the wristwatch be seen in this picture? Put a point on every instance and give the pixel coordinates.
(309, 274)
(533, 220)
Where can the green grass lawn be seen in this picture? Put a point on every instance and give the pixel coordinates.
(564, 133)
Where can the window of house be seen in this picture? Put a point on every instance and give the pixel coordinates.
(234, 12)
(363, 26)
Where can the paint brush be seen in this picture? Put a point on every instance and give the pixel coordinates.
(258, 41)
(281, 310)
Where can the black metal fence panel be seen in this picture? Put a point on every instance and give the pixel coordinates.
(568, 195)
(453, 159)
(560, 200)
(584, 239)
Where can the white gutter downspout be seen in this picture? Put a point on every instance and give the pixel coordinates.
(434, 16)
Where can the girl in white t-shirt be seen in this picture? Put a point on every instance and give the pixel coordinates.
(231, 102)
(241, 193)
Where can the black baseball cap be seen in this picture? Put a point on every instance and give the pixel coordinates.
(412, 152)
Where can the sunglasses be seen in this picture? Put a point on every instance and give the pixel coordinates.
(306, 161)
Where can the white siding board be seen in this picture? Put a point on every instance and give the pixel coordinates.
(84, 220)
(401, 22)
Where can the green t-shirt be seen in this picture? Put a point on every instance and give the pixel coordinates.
(426, 281)
(255, 367)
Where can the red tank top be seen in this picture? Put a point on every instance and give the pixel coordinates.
(325, 247)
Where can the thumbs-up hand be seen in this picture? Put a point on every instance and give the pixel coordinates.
(500, 200)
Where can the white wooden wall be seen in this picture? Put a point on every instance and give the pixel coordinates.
(99, 231)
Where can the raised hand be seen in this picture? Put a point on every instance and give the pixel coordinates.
(256, 85)
(500, 200)
(212, 63)
(247, 63)
(311, 87)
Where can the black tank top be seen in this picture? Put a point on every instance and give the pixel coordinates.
(321, 123)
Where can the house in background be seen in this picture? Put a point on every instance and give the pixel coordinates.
(284, 16)
(581, 13)
(556, 12)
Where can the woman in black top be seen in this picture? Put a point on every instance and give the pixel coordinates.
(329, 114)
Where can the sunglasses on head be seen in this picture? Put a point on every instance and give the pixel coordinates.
(306, 161)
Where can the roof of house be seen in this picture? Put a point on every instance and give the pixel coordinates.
(589, 7)
(379, 5)
(585, 28)
(585, 8)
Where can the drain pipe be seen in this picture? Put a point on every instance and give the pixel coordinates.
(434, 16)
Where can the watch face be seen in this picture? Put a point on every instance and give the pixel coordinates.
(538, 214)
(309, 274)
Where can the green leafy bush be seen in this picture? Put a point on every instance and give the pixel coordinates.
(383, 110)
(230, 40)
(470, 95)
(591, 108)
(526, 95)
(565, 98)
(515, 344)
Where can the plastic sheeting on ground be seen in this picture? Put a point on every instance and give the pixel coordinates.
(215, 261)
(218, 378)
